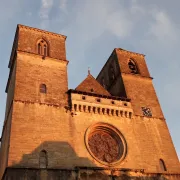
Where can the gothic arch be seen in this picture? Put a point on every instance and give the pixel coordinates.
(42, 47)
(133, 66)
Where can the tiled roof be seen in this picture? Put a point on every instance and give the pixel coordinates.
(90, 84)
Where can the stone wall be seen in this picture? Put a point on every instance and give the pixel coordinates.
(62, 134)
(28, 38)
(84, 174)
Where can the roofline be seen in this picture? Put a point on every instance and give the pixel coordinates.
(130, 52)
(40, 30)
(105, 64)
(107, 92)
(98, 95)
(31, 28)
(119, 49)
(13, 47)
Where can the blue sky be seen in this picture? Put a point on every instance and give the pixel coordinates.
(93, 29)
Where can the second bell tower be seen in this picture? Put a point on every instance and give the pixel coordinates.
(126, 74)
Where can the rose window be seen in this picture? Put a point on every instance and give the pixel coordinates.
(105, 144)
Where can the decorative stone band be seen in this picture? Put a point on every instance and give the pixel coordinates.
(80, 107)
(100, 105)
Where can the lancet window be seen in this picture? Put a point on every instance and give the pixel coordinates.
(42, 47)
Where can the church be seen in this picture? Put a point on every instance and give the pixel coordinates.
(108, 128)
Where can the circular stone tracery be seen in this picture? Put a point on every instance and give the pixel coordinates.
(105, 144)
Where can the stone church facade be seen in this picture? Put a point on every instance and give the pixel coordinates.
(108, 128)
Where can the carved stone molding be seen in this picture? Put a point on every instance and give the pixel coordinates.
(101, 110)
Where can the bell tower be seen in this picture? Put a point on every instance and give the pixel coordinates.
(126, 74)
(36, 87)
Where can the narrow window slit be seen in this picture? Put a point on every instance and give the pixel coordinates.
(108, 111)
(112, 111)
(39, 48)
(89, 108)
(103, 110)
(80, 108)
(130, 115)
(117, 113)
(84, 108)
(75, 107)
(125, 113)
(121, 113)
(99, 110)
(94, 109)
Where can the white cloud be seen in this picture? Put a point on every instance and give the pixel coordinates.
(95, 17)
(29, 14)
(162, 27)
(119, 24)
(136, 8)
(46, 6)
(63, 5)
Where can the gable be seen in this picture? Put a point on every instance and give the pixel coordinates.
(90, 84)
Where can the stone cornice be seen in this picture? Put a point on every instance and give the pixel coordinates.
(43, 57)
(42, 31)
(99, 95)
(129, 52)
(39, 103)
(137, 75)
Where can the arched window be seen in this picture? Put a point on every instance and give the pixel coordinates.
(42, 47)
(43, 162)
(133, 67)
(162, 165)
(111, 74)
(39, 48)
(43, 88)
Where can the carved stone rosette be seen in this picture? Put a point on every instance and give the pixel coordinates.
(105, 144)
